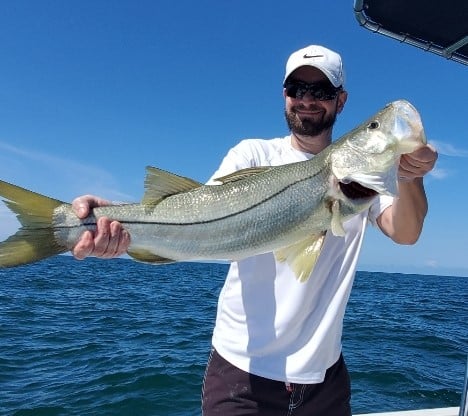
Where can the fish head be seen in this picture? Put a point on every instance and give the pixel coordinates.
(369, 155)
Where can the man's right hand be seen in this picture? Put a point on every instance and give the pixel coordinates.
(109, 240)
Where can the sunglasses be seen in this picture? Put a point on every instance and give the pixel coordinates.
(322, 91)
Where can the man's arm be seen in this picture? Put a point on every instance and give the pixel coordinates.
(403, 220)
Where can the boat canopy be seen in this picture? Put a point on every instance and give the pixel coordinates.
(440, 27)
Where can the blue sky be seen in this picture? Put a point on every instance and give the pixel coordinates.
(93, 91)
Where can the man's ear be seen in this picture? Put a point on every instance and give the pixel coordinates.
(342, 97)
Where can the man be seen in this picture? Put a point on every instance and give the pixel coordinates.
(277, 341)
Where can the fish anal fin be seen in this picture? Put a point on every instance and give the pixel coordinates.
(160, 184)
(302, 256)
(242, 174)
(146, 256)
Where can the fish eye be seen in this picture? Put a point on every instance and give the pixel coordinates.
(373, 125)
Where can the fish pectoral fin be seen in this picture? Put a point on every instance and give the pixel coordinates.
(242, 174)
(302, 256)
(146, 256)
(336, 223)
(160, 184)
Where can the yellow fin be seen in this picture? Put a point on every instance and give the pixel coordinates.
(147, 256)
(35, 239)
(29, 246)
(160, 184)
(302, 256)
(336, 223)
(242, 174)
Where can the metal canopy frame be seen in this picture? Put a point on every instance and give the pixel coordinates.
(440, 27)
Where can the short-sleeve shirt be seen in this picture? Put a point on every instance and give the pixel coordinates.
(270, 324)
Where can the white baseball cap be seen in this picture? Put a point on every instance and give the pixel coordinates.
(326, 60)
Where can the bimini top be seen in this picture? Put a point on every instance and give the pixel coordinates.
(440, 27)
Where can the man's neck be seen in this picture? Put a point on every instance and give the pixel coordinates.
(311, 144)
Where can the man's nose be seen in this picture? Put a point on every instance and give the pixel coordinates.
(308, 97)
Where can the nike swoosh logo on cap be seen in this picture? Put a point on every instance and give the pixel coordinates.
(312, 56)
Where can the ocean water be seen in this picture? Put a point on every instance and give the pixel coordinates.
(115, 337)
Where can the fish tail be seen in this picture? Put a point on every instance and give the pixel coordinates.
(35, 239)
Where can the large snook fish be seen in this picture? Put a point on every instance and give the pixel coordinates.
(285, 209)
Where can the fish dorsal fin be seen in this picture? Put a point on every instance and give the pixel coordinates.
(302, 256)
(147, 256)
(242, 174)
(160, 184)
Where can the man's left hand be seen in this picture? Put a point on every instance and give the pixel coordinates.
(417, 164)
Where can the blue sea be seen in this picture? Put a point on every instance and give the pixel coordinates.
(115, 337)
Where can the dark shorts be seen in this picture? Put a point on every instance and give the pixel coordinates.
(228, 391)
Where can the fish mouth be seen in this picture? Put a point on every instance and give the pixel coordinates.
(354, 190)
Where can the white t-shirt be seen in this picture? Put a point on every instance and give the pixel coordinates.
(270, 324)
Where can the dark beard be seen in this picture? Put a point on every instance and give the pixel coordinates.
(308, 127)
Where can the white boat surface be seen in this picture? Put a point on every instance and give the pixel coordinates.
(445, 411)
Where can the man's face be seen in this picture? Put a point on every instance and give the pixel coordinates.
(308, 116)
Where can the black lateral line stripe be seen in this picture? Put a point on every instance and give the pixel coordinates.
(140, 222)
(226, 216)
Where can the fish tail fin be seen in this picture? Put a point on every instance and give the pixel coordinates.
(35, 239)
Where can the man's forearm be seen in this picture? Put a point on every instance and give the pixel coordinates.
(408, 212)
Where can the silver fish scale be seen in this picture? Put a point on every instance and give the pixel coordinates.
(206, 223)
(266, 211)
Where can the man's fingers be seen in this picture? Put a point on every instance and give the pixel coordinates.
(115, 241)
(84, 247)
(80, 207)
(123, 240)
(418, 163)
(102, 237)
(83, 204)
